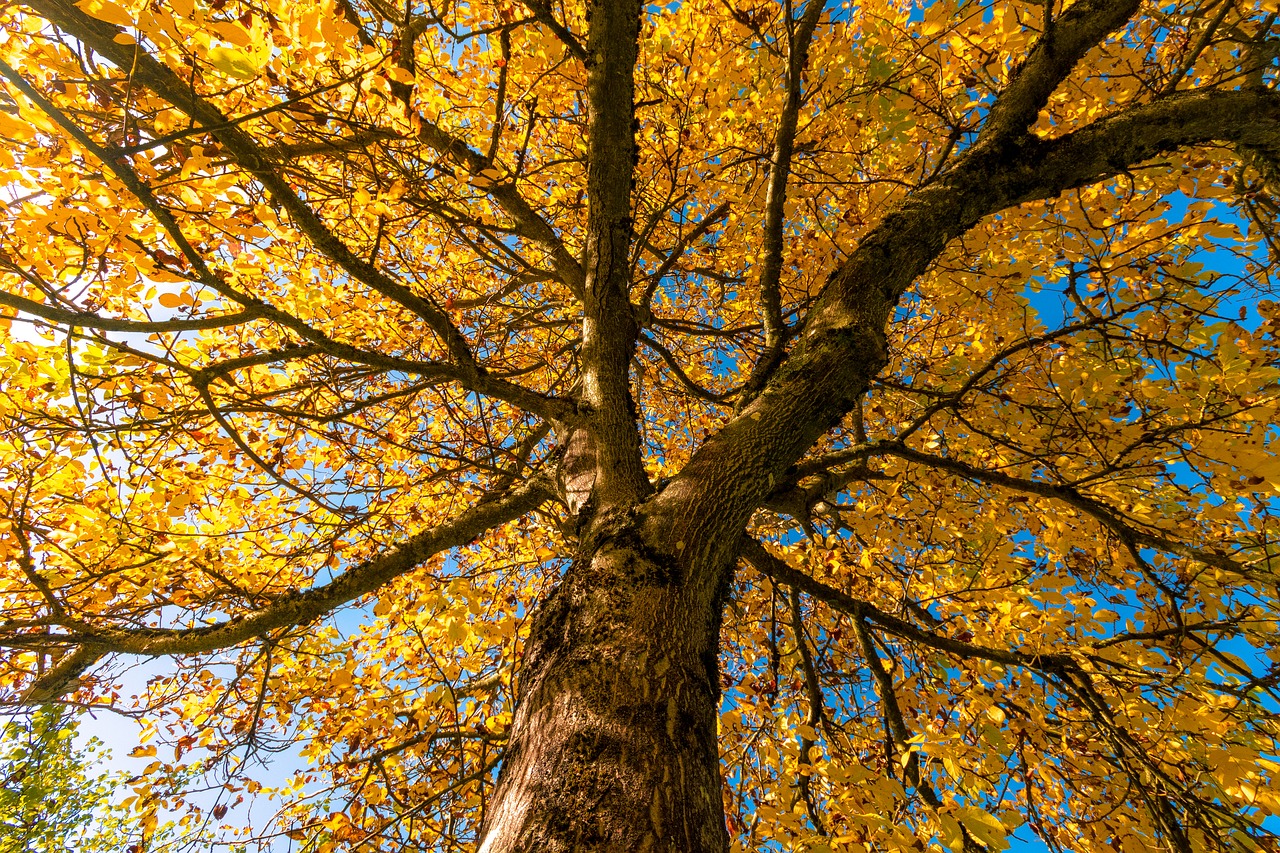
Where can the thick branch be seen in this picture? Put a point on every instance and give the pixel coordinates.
(1064, 43)
(297, 609)
(64, 676)
(89, 320)
(609, 329)
(149, 72)
(466, 370)
(843, 345)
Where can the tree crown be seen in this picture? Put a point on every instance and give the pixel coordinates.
(333, 336)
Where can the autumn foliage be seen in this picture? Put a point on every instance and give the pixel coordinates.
(336, 337)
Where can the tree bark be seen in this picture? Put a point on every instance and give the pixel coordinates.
(613, 745)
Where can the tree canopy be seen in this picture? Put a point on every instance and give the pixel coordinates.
(719, 425)
(54, 798)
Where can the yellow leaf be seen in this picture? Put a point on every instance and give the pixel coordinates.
(401, 75)
(232, 32)
(233, 63)
(105, 10)
(984, 827)
(950, 833)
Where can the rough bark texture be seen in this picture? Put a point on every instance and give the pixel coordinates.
(609, 331)
(613, 744)
(614, 740)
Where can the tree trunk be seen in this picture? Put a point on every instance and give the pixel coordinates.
(613, 745)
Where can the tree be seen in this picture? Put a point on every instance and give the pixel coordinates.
(50, 797)
(620, 427)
